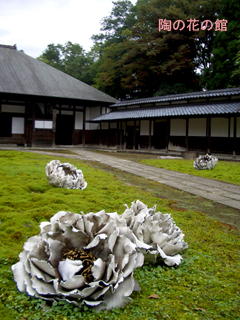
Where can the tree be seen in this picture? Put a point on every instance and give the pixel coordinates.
(236, 72)
(71, 59)
(122, 17)
(145, 57)
(111, 49)
(140, 60)
(225, 48)
(52, 55)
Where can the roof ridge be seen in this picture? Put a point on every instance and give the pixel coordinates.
(14, 47)
(180, 96)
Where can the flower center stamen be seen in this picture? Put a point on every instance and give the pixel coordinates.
(87, 259)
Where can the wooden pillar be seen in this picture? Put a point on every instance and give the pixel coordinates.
(83, 132)
(108, 139)
(229, 127)
(150, 134)
(100, 132)
(33, 126)
(124, 135)
(117, 134)
(234, 135)
(73, 131)
(54, 119)
(121, 135)
(134, 135)
(186, 140)
(167, 133)
(208, 135)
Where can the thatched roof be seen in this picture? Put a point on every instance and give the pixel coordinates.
(22, 74)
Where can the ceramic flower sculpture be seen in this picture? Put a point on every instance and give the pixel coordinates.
(205, 162)
(64, 175)
(82, 259)
(162, 238)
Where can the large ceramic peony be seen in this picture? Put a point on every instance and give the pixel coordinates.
(82, 259)
(205, 162)
(162, 238)
(64, 175)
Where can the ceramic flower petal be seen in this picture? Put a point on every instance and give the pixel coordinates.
(82, 259)
(205, 162)
(155, 229)
(64, 175)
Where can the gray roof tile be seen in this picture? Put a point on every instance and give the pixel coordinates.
(173, 111)
(179, 97)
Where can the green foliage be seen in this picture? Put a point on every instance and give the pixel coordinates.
(225, 171)
(236, 72)
(204, 286)
(225, 48)
(138, 59)
(71, 59)
(165, 89)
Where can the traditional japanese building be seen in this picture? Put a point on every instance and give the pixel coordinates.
(40, 105)
(207, 121)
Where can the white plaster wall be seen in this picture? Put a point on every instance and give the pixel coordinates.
(94, 126)
(88, 117)
(113, 125)
(12, 108)
(78, 125)
(219, 127)
(197, 127)
(130, 123)
(90, 114)
(104, 125)
(95, 112)
(17, 125)
(238, 127)
(144, 128)
(178, 127)
(67, 112)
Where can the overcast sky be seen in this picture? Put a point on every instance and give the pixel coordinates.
(33, 24)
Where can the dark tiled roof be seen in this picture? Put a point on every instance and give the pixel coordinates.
(22, 74)
(179, 97)
(173, 111)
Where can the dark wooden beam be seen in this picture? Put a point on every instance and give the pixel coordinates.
(121, 135)
(117, 133)
(54, 120)
(33, 126)
(187, 126)
(234, 135)
(167, 133)
(208, 134)
(150, 134)
(84, 121)
(134, 135)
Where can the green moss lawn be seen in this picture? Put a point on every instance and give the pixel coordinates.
(225, 171)
(204, 286)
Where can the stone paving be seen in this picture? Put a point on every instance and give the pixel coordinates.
(224, 193)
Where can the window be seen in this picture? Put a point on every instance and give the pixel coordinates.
(43, 124)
